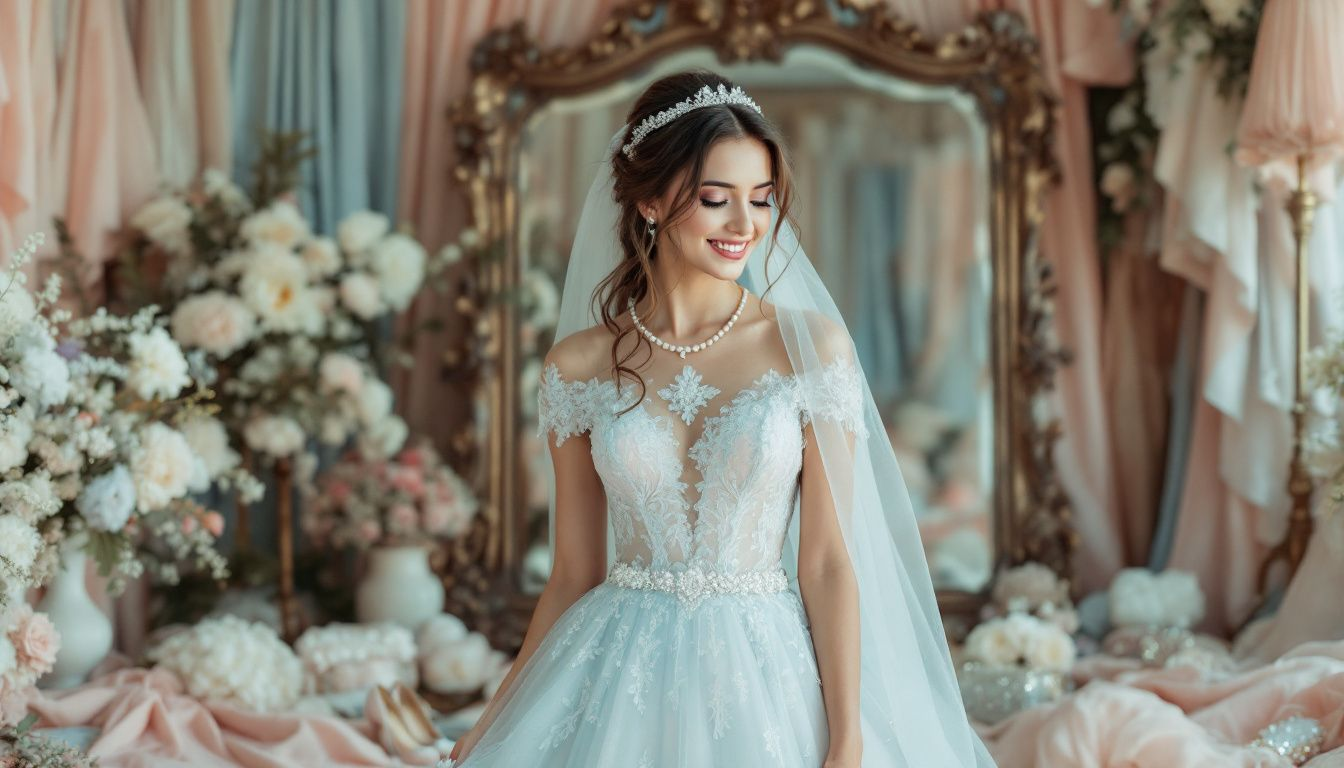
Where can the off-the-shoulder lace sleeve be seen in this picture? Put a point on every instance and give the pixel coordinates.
(563, 407)
(835, 393)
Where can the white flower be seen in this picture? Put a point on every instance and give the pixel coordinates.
(281, 224)
(375, 402)
(1018, 639)
(459, 666)
(340, 372)
(1226, 13)
(385, 438)
(991, 643)
(334, 429)
(360, 230)
(232, 660)
(22, 543)
(275, 286)
(1051, 649)
(322, 648)
(1121, 118)
(162, 466)
(30, 498)
(543, 298)
(165, 221)
(449, 254)
(157, 368)
(1118, 183)
(360, 295)
(9, 658)
(321, 257)
(108, 500)
(439, 632)
(216, 183)
(1139, 597)
(215, 322)
(15, 432)
(469, 238)
(1032, 583)
(210, 441)
(399, 263)
(16, 308)
(40, 375)
(276, 436)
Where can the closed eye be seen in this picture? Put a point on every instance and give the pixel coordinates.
(721, 203)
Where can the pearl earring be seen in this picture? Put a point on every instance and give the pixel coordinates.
(649, 229)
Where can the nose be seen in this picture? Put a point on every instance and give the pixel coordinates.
(740, 222)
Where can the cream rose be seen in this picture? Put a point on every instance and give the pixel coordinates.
(361, 230)
(162, 467)
(165, 221)
(360, 294)
(281, 224)
(214, 322)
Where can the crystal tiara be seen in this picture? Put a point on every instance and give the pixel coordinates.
(705, 97)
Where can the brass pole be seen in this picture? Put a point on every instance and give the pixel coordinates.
(289, 620)
(1301, 210)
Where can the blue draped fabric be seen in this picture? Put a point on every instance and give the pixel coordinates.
(1184, 390)
(879, 208)
(331, 68)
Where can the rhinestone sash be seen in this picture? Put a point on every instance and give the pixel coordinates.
(694, 584)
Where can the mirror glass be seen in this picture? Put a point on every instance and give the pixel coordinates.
(893, 192)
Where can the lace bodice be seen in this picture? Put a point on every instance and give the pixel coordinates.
(747, 456)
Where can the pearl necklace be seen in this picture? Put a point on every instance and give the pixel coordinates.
(682, 349)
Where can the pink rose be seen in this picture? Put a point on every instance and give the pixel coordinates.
(402, 516)
(445, 518)
(370, 530)
(13, 708)
(444, 491)
(188, 526)
(37, 640)
(338, 491)
(409, 480)
(412, 457)
(214, 523)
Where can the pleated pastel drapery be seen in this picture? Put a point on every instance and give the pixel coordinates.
(333, 70)
(27, 117)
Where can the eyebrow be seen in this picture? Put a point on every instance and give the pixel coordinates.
(726, 185)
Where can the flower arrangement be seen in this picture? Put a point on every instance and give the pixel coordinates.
(347, 657)
(454, 660)
(97, 414)
(1035, 590)
(1019, 640)
(1140, 598)
(363, 501)
(27, 652)
(236, 661)
(20, 747)
(290, 319)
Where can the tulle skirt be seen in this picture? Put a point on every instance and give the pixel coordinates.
(638, 679)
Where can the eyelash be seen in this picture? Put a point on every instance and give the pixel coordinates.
(721, 203)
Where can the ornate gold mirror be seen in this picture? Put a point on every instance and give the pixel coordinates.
(919, 164)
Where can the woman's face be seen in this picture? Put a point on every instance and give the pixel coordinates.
(731, 212)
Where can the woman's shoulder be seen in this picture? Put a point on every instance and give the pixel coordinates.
(581, 355)
(829, 336)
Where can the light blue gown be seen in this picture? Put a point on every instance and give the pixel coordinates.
(695, 651)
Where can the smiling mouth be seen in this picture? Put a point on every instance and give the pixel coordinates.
(729, 249)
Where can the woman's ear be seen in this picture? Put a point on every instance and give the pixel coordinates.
(648, 211)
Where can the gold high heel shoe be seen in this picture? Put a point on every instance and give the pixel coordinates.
(419, 718)
(392, 731)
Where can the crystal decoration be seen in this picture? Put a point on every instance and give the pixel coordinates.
(692, 585)
(705, 97)
(1296, 738)
(687, 395)
(992, 693)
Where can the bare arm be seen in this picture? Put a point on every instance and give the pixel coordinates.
(580, 559)
(831, 597)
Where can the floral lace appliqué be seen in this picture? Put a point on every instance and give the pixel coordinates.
(687, 395)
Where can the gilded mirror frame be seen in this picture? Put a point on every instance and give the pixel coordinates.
(994, 59)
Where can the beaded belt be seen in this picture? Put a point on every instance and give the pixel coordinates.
(692, 585)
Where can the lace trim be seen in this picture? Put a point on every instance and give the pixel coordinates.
(693, 584)
(835, 393)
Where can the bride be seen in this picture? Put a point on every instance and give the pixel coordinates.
(738, 579)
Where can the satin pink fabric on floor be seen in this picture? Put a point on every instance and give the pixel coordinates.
(148, 720)
(1163, 718)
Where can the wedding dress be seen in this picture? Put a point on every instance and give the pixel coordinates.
(696, 650)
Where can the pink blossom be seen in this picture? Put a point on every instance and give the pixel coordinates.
(444, 491)
(370, 531)
(214, 523)
(408, 480)
(443, 518)
(402, 516)
(36, 640)
(412, 457)
(188, 525)
(338, 491)
(13, 708)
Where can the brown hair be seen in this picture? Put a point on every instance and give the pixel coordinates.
(658, 159)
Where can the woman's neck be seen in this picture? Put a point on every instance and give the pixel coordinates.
(689, 301)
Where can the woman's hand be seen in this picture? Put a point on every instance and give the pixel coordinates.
(464, 745)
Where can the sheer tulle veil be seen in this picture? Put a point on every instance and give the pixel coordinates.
(911, 705)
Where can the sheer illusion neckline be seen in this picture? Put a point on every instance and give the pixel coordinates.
(699, 451)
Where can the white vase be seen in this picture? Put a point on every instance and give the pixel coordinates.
(86, 632)
(399, 587)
